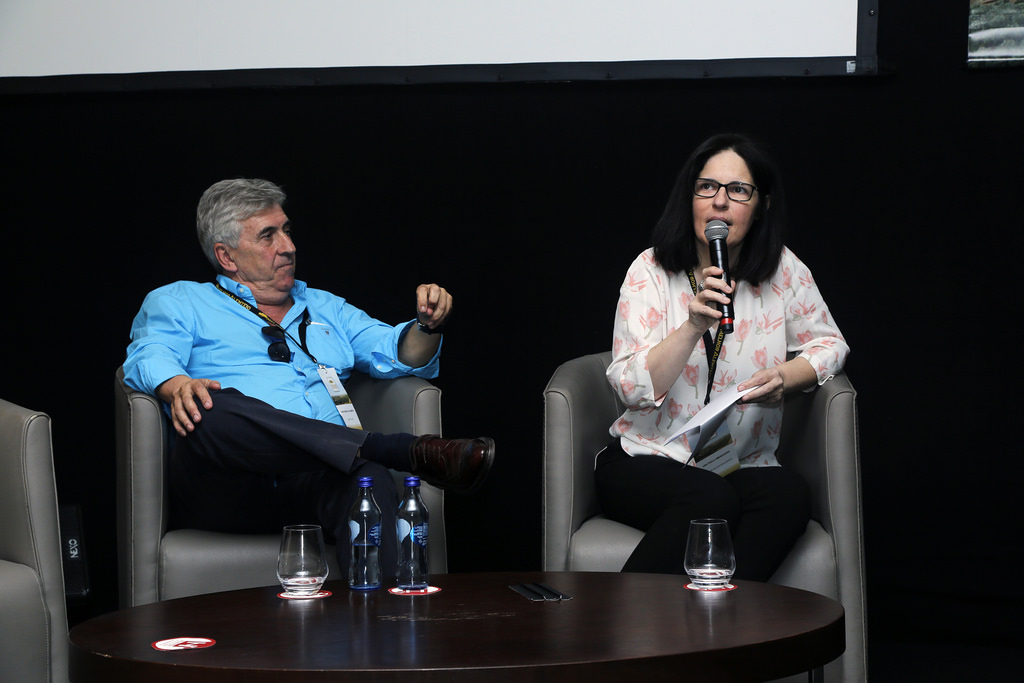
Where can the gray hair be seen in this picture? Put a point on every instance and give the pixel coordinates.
(225, 205)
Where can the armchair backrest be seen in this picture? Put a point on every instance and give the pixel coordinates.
(34, 625)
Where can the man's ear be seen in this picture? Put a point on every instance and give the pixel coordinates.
(227, 263)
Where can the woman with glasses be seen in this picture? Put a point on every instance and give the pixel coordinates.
(672, 355)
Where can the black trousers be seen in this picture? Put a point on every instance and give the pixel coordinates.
(251, 468)
(767, 509)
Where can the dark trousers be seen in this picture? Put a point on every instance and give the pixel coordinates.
(251, 468)
(767, 509)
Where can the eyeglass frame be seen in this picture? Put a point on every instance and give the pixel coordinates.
(728, 189)
(278, 350)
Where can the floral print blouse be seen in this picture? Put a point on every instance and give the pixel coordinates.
(781, 318)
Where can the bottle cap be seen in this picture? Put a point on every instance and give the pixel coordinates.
(412, 481)
(365, 482)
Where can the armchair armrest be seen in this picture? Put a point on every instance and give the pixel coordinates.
(819, 440)
(405, 404)
(579, 407)
(142, 440)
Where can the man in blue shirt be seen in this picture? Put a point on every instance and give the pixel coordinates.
(252, 367)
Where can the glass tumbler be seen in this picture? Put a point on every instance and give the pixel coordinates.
(302, 560)
(709, 562)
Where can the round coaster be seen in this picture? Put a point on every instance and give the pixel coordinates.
(726, 587)
(171, 644)
(429, 590)
(311, 596)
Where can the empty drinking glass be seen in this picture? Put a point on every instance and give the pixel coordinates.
(709, 560)
(302, 561)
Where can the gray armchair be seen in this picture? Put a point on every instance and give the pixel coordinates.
(819, 440)
(156, 564)
(33, 616)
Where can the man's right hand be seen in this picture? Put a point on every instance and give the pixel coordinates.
(184, 395)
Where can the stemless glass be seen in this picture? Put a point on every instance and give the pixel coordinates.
(302, 561)
(709, 560)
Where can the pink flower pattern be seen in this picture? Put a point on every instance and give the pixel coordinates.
(675, 409)
(691, 373)
(785, 315)
(743, 329)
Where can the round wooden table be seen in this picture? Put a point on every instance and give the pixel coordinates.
(646, 627)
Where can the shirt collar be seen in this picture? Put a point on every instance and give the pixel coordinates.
(298, 294)
(241, 291)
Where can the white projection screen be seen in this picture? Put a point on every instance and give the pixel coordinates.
(380, 41)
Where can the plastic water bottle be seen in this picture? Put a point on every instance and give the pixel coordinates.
(413, 532)
(364, 529)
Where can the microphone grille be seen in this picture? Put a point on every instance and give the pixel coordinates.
(716, 230)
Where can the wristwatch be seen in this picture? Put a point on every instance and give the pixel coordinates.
(426, 330)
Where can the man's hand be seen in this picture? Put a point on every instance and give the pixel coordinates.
(433, 305)
(184, 395)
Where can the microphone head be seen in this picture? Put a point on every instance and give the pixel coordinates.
(716, 230)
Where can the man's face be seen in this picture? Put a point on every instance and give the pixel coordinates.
(264, 259)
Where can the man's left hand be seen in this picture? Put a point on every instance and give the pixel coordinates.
(433, 305)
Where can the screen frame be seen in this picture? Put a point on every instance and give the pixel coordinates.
(864, 63)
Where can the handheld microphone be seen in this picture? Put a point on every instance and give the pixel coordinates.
(716, 232)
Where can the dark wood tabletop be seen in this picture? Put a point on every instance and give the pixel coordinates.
(648, 627)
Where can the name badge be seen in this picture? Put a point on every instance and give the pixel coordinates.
(340, 397)
(719, 454)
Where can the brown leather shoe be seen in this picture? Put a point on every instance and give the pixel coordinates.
(458, 465)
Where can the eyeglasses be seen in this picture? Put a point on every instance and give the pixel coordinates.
(278, 349)
(737, 191)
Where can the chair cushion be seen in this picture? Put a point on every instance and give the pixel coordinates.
(601, 545)
(194, 562)
(811, 565)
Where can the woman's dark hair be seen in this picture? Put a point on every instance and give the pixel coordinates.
(674, 239)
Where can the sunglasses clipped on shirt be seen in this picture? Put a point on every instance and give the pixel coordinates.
(278, 349)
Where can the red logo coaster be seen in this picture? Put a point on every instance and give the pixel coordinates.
(695, 587)
(429, 590)
(172, 644)
(311, 596)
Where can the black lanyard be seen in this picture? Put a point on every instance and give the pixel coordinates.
(273, 323)
(713, 348)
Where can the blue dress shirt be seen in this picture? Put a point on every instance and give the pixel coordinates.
(194, 329)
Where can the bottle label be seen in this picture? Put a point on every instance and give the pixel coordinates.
(372, 533)
(418, 534)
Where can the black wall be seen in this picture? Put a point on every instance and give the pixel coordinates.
(528, 202)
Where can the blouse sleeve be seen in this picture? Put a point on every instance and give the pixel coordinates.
(640, 324)
(811, 333)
